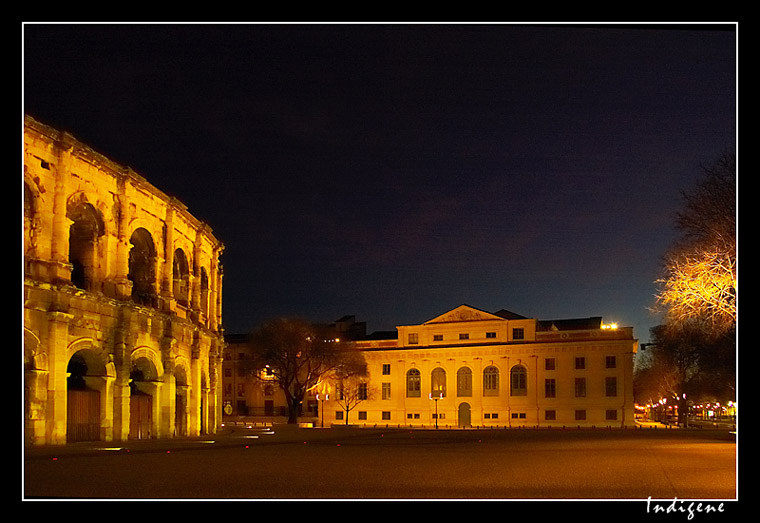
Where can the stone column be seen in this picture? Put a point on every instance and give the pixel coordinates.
(60, 269)
(56, 418)
(167, 278)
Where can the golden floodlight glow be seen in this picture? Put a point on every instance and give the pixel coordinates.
(609, 326)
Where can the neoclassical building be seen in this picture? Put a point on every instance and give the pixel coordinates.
(468, 367)
(121, 301)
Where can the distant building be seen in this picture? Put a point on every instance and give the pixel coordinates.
(469, 367)
(122, 298)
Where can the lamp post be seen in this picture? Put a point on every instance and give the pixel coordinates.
(440, 395)
(322, 407)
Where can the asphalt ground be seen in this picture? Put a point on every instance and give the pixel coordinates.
(291, 463)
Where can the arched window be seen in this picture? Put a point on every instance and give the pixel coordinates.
(519, 381)
(29, 212)
(181, 278)
(142, 268)
(413, 383)
(84, 232)
(464, 382)
(490, 381)
(204, 292)
(438, 382)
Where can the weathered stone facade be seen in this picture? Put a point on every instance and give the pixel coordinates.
(122, 301)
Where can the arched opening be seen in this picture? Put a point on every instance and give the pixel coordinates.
(181, 278)
(438, 383)
(464, 418)
(180, 404)
(204, 293)
(84, 232)
(83, 401)
(142, 268)
(519, 381)
(464, 382)
(413, 383)
(491, 381)
(142, 388)
(30, 208)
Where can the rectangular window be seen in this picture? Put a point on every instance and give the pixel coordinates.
(610, 415)
(386, 415)
(386, 391)
(610, 362)
(580, 387)
(580, 363)
(464, 336)
(549, 364)
(386, 369)
(518, 333)
(550, 415)
(610, 387)
(490, 334)
(363, 415)
(550, 390)
(362, 391)
(414, 338)
(437, 337)
(338, 414)
(580, 415)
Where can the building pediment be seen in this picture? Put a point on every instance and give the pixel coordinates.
(464, 313)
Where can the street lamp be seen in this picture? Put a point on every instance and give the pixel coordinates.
(322, 407)
(440, 395)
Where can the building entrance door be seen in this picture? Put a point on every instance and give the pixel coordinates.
(140, 415)
(464, 415)
(83, 415)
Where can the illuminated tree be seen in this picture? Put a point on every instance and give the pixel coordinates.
(700, 284)
(298, 355)
(700, 280)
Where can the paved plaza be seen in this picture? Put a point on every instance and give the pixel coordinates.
(287, 462)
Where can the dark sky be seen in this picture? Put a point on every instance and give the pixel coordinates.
(395, 171)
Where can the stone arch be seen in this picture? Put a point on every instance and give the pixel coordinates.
(85, 231)
(87, 391)
(181, 278)
(142, 267)
(146, 372)
(204, 294)
(31, 204)
(181, 403)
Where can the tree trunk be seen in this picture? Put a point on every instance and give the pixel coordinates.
(683, 411)
(294, 403)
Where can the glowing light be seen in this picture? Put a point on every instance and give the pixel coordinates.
(609, 326)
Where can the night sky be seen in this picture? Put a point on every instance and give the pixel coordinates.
(395, 172)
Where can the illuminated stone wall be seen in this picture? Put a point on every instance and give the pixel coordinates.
(122, 299)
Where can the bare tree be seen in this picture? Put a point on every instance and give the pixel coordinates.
(298, 355)
(351, 390)
(700, 272)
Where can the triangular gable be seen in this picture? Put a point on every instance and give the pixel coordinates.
(464, 313)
